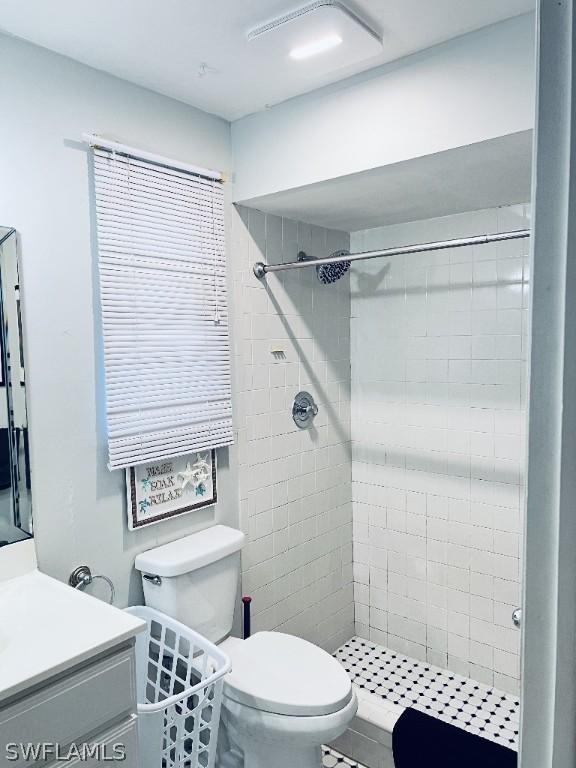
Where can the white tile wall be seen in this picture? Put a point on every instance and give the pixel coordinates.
(439, 345)
(291, 333)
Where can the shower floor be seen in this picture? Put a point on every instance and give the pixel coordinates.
(333, 759)
(388, 682)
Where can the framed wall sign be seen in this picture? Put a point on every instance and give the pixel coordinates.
(164, 489)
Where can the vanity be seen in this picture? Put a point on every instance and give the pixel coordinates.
(67, 676)
(67, 664)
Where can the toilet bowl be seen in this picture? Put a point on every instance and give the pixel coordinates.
(285, 697)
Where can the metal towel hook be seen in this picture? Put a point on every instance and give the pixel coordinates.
(82, 576)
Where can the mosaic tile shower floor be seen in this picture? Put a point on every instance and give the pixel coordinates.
(333, 759)
(452, 698)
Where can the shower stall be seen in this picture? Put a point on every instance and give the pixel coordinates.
(390, 531)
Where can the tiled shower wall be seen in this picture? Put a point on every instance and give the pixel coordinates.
(292, 333)
(439, 347)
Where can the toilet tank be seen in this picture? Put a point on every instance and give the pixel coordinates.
(195, 579)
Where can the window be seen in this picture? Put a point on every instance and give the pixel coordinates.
(162, 272)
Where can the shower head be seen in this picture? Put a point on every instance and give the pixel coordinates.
(329, 273)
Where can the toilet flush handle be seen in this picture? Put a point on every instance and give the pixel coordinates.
(152, 579)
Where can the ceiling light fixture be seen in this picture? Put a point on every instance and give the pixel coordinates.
(325, 32)
(318, 46)
(334, 8)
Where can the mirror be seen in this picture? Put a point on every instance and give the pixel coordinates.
(15, 494)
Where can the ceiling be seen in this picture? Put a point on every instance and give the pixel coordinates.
(483, 175)
(197, 51)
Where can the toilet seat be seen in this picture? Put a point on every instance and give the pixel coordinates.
(285, 675)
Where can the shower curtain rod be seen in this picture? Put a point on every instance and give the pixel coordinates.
(261, 269)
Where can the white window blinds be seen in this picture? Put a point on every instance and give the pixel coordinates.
(164, 309)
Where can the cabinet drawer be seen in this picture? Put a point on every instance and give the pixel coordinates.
(116, 745)
(79, 704)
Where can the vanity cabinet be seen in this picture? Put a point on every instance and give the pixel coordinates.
(91, 704)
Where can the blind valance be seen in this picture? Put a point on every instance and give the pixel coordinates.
(162, 267)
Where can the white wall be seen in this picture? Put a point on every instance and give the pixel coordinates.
(48, 102)
(293, 333)
(468, 90)
(439, 349)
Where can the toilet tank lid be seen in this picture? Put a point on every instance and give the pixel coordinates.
(191, 552)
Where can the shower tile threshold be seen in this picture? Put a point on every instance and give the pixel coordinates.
(387, 682)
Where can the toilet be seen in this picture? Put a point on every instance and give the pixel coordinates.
(284, 697)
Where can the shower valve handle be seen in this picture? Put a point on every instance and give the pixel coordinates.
(304, 410)
(309, 410)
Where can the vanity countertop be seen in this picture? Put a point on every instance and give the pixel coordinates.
(47, 627)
